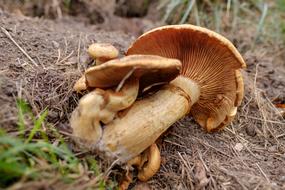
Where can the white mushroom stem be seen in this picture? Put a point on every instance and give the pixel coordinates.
(101, 106)
(147, 119)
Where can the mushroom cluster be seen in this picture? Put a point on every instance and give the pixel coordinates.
(196, 71)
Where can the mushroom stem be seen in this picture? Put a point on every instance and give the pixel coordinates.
(141, 124)
(101, 106)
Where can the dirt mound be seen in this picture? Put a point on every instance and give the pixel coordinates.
(58, 51)
(246, 155)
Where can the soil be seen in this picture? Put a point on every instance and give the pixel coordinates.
(248, 154)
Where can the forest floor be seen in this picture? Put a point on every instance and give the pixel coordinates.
(248, 154)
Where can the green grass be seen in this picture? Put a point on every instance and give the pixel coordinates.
(38, 153)
(264, 18)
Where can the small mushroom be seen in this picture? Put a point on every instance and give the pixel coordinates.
(102, 52)
(152, 165)
(80, 84)
(148, 164)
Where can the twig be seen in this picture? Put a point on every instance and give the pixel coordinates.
(176, 144)
(187, 166)
(203, 162)
(78, 52)
(206, 144)
(21, 49)
(67, 57)
(125, 78)
(58, 57)
(66, 133)
(269, 121)
(107, 172)
(233, 176)
(267, 179)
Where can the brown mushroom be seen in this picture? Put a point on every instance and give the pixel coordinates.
(210, 84)
(208, 59)
(80, 84)
(148, 68)
(102, 105)
(102, 52)
(148, 164)
(152, 165)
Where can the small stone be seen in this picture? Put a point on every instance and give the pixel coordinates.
(142, 186)
(281, 172)
(55, 44)
(53, 114)
(281, 149)
(250, 130)
(238, 147)
(272, 148)
(283, 114)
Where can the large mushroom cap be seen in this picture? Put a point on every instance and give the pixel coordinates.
(149, 68)
(207, 58)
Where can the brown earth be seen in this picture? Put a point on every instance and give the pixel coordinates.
(248, 154)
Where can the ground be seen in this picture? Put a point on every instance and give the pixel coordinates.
(248, 154)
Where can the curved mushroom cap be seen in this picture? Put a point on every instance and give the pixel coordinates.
(103, 51)
(208, 59)
(149, 68)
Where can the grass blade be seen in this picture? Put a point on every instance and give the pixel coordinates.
(37, 125)
(261, 22)
(23, 109)
(170, 7)
(217, 16)
(187, 12)
(196, 14)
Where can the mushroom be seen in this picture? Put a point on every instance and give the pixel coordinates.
(210, 85)
(101, 52)
(128, 74)
(153, 163)
(101, 106)
(80, 84)
(148, 164)
(209, 62)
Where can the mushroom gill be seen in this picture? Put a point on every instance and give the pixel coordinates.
(207, 58)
